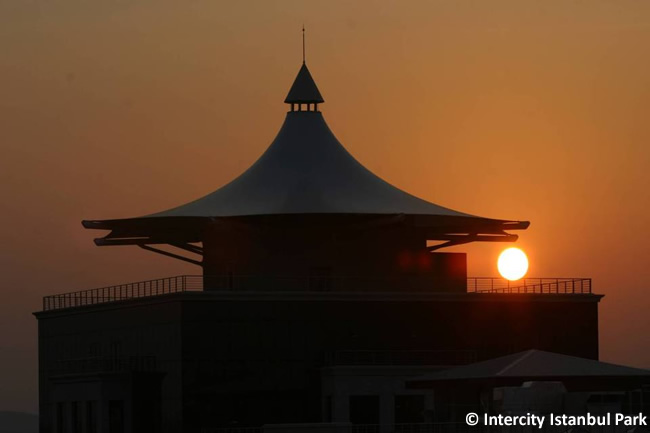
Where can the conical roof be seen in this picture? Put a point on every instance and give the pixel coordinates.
(307, 171)
(304, 89)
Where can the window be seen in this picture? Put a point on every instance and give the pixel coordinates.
(116, 416)
(60, 417)
(320, 279)
(91, 417)
(75, 417)
(409, 409)
(115, 355)
(94, 349)
(116, 349)
(364, 409)
(327, 409)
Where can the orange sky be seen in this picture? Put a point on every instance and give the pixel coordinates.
(532, 110)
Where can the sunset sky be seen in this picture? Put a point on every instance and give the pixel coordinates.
(528, 110)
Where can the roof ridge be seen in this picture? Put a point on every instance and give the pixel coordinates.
(516, 361)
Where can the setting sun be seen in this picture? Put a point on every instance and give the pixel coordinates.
(512, 264)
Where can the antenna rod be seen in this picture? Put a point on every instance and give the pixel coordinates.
(303, 43)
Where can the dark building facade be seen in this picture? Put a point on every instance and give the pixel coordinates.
(315, 272)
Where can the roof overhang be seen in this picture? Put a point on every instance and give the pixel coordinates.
(451, 230)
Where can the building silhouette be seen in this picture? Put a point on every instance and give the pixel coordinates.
(323, 290)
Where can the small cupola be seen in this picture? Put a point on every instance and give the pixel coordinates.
(304, 89)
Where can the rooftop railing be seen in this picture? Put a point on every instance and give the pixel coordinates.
(529, 285)
(120, 292)
(188, 283)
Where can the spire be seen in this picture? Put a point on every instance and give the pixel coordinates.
(303, 44)
(304, 89)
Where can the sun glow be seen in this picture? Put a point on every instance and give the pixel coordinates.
(512, 264)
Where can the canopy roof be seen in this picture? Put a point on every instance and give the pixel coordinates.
(533, 365)
(306, 171)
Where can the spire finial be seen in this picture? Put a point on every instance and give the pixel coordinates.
(303, 43)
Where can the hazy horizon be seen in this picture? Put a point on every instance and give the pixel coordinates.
(506, 109)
